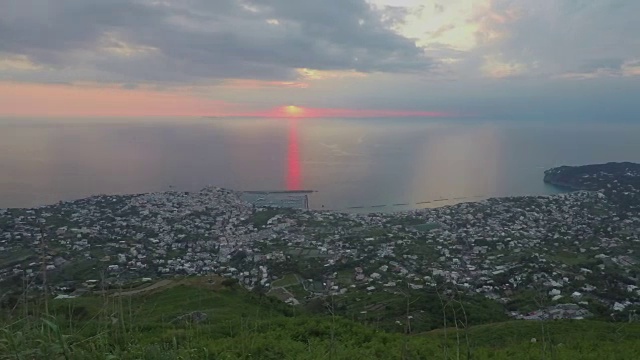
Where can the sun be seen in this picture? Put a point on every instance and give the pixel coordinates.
(293, 111)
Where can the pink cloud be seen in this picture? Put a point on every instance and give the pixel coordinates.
(17, 99)
(20, 99)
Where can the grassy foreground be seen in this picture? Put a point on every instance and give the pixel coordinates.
(243, 325)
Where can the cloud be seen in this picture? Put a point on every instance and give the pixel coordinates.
(22, 99)
(556, 38)
(202, 41)
(631, 68)
(496, 67)
(17, 63)
(250, 84)
(605, 68)
(542, 38)
(499, 58)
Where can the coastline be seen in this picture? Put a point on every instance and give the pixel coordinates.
(553, 177)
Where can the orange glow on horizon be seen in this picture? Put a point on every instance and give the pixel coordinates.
(62, 100)
(294, 111)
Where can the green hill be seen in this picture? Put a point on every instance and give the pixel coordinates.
(198, 319)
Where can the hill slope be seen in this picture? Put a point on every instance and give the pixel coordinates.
(595, 176)
(231, 323)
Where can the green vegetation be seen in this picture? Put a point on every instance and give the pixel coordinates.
(305, 253)
(82, 268)
(298, 291)
(244, 325)
(12, 258)
(260, 218)
(571, 258)
(426, 227)
(287, 280)
(389, 311)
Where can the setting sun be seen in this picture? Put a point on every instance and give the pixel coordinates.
(293, 111)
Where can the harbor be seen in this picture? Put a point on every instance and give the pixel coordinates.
(296, 199)
(299, 199)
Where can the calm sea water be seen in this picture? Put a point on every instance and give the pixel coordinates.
(350, 163)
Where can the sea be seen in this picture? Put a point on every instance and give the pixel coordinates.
(350, 164)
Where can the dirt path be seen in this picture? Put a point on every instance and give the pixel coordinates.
(287, 291)
(158, 285)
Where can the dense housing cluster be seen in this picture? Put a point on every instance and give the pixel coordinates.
(558, 256)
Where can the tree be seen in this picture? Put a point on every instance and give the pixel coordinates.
(229, 283)
(316, 306)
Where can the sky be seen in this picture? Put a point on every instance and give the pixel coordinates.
(506, 59)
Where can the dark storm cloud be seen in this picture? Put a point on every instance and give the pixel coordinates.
(177, 41)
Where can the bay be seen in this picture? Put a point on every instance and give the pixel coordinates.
(352, 164)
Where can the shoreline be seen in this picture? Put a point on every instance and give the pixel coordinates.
(359, 209)
(551, 177)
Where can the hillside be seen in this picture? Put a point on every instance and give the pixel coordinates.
(228, 322)
(618, 181)
(595, 177)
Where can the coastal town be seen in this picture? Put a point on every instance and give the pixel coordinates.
(539, 257)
